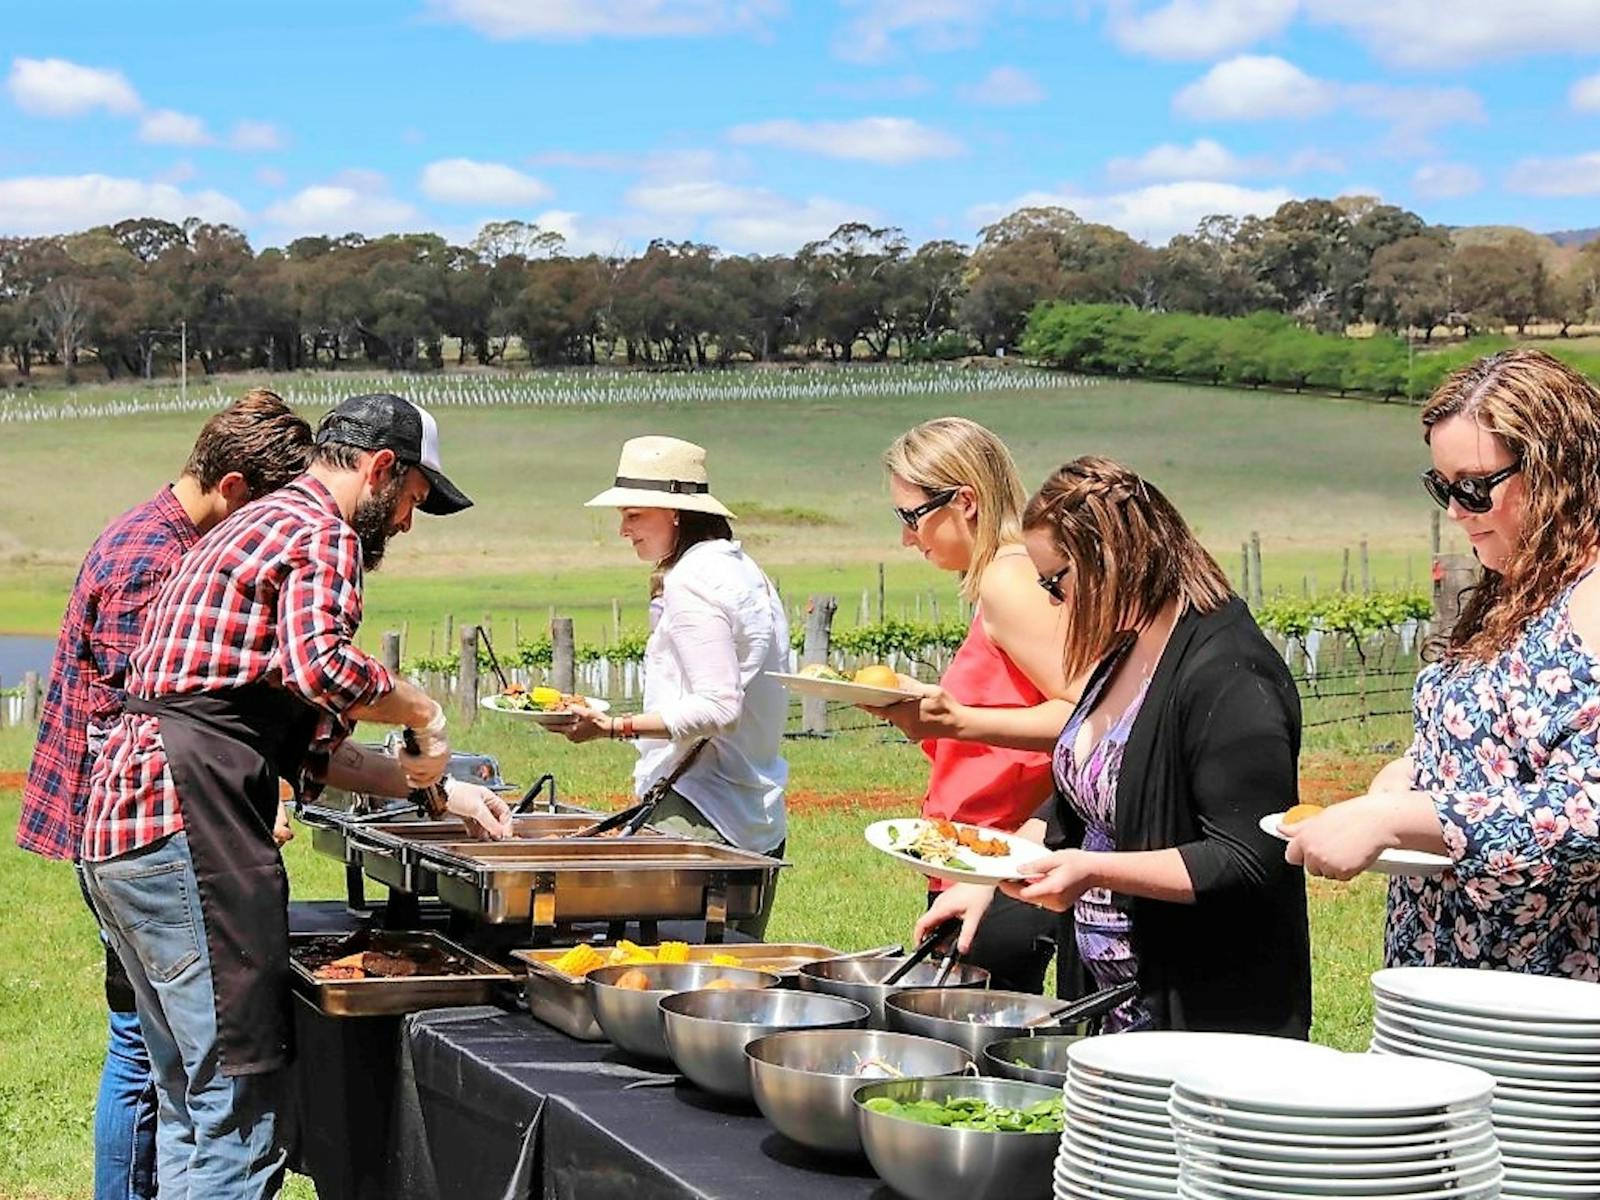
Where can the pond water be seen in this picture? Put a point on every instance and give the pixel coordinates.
(19, 654)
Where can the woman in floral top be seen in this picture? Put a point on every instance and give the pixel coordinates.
(1504, 772)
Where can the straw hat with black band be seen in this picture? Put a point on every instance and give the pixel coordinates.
(661, 472)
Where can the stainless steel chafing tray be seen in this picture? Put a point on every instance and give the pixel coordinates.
(562, 1000)
(599, 879)
(470, 980)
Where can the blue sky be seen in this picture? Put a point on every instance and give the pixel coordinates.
(759, 124)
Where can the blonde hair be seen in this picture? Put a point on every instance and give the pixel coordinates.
(1129, 551)
(951, 452)
(1548, 417)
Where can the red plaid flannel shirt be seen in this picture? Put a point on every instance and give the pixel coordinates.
(273, 593)
(120, 576)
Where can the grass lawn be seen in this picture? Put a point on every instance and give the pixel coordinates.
(52, 1030)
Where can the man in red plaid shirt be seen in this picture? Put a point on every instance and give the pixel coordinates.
(250, 448)
(247, 672)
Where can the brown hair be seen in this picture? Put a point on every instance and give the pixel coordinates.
(694, 528)
(258, 436)
(1131, 554)
(1548, 417)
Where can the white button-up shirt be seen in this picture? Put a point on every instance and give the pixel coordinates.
(722, 628)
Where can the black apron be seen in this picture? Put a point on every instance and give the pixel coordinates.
(226, 751)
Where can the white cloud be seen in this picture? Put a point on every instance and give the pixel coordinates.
(740, 220)
(1254, 87)
(168, 127)
(575, 20)
(889, 140)
(257, 135)
(1584, 95)
(694, 198)
(1152, 213)
(354, 201)
(929, 25)
(41, 204)
(467, 181)
(1205, 159)
(1197, 29)
(54, 87)
(1424, 33)
(1005, 87)
(1575, 175)
(1412, 112)
(785, 225)
(1445, 180)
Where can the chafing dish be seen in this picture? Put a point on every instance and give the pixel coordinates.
(602, 879)
(469, 980)
(562, 1000)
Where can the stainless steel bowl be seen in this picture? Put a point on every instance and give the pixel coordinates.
(971, 1019)
(708, 1031)
(932, 1162)
(1041, 1060)
(804, 1079)
(631, 1018)
(862, 979)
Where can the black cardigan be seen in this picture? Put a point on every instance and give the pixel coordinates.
(1213, 749)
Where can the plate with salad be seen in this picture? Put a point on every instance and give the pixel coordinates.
(953, 851)
(541, 705)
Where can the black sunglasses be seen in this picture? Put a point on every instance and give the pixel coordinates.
(1475, 493)
(911, 516)
(1052, 583)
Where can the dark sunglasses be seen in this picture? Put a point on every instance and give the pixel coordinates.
(1052, 583)
(1474, 493)
(911, 516)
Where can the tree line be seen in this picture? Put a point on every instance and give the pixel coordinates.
(118, 295)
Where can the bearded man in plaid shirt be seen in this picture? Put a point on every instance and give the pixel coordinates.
(247, 672)
(250, 448)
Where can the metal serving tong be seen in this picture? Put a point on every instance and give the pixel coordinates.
(631, 820)
(947, 930)
(1086, 1008)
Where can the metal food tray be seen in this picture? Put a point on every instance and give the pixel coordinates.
(332, 828)
(388, 851)
(601, 879)
(562, 1001)
(378, 996)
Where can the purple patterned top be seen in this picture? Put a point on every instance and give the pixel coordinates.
(1103, 927)
(1509, 749)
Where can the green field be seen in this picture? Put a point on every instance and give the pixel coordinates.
(1314, 476)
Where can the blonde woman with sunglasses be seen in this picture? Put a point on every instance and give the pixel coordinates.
(1503, 775)
(959, 499)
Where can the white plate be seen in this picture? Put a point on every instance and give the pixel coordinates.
(1115, 1098)
(1074, 1183)
(1506, 1072)
(881, 834)
(1145, 1139)
(1559, 1171)
(1153, 1056)
(1126, 1183)
(1390, 862)
(1098, 1113)
(1509, 1030)
(841, 692)
(538, 715)
(1469, 1160)
(1495, 994)
(1319, 1126)
(1297, 1149)
(1089, 1149)
(1518, 1187)
(1574, 1065)
(1479, 1185)
(1355, 1085)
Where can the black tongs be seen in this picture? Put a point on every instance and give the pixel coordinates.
(945, 931)
(631, 820)
(1086, 1008)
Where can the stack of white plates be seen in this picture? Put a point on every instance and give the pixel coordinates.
(1117, 1143)
(1540, 1039)
(1358, 1125)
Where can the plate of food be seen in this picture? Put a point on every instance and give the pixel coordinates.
(541, 705)
(952, 851)
(1390, 862)
(877, 686)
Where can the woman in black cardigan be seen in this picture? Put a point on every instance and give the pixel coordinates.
(1187, 733)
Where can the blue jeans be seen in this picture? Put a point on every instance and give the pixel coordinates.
(216, 1134)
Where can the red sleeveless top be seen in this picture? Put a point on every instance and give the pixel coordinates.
(972, 782)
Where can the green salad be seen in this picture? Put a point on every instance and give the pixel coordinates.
(969, 1112)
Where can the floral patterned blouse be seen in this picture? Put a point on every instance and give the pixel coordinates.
(1510, 751)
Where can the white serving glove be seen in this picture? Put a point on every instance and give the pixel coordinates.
(427, 766)
(484, 814)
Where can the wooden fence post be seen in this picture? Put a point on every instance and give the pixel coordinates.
(1344, 575)
(1257, 584)
(883, 614)
(563, 656)
(1244, 570)
(467, 690)
(391, 652)
(1453, 574)
(1366, 570)
(30, 698)
(819, 639)
(616, 620)
(1434, 523)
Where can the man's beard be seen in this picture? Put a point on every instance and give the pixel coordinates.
(373, 522)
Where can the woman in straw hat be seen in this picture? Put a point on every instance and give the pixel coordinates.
(717, 631)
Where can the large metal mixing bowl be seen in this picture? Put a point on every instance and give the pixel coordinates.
(804, 1079)
(708, 1031)
(1041, 1059)
(970, 1019)
(631, 1017)
(933, 1162)
(862, 979)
